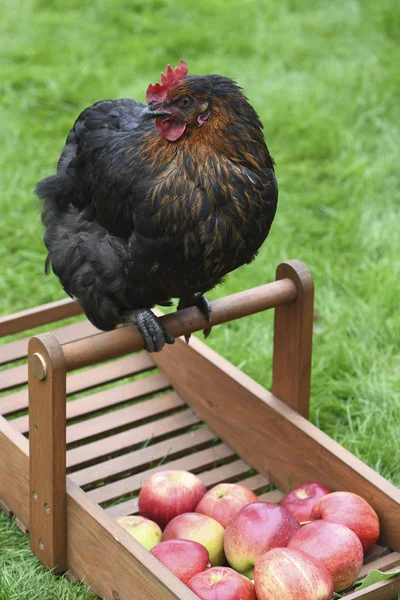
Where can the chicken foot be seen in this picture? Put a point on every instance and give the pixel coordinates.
(151, 329)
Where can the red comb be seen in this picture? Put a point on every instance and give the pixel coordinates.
(157, 93)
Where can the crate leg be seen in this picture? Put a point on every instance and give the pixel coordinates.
(47, 451)
(291, 374)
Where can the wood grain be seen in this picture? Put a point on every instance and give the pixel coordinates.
(271, 436)
(126, 339)
(199, 461)
(291, 372)
(124, 417)
(385, 563)
(274, 496)
(376, 552)
(102, 553)
(14, 471)
(39, 315)
(156, 430)
(19, 348)
(142, 458)
(85, 380)
(47, 492)
(14, 377)
(386, 590)
(5, 508)
(106, 399)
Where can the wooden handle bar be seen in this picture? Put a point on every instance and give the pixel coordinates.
(104, 346)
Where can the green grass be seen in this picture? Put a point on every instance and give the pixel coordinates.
(324, 78)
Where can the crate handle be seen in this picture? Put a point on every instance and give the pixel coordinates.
(111, 344)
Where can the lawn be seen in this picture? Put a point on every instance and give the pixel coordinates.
(324, 77)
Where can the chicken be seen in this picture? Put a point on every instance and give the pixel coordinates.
(156, 202)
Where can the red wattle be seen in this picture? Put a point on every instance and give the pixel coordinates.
(170, 129)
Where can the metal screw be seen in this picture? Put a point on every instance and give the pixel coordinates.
(41, 545)
(115, 595)
(35, 496)
(47, 508)
(39, 367)
(36, 426)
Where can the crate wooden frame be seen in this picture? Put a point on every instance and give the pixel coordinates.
(267, 431)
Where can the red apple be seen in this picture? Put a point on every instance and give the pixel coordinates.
(258, 527)
(224, 501)
(201, 529)
(222, 583)
(286, 574)
(168, 494)
(184, 558)
(350, 510)
(336, 546)
(146, 532)
(301, 500)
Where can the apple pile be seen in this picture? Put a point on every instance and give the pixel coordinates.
(225, 544)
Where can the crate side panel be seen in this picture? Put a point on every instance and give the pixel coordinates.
(272, 437)
(101, 553)
(14, 471)
(384, 563)
(385, 590)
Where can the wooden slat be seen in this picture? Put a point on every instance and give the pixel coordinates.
(95, 451)
(19, 349)
(385, 563)
(293, 330)
(12, 378)
(127, 339)
(85, 380)
(226, 473)
(40, 315)
(47, 452)
(102, 553)
(275, 496)
(230, 472)
(386, 590)
(5, 508)
(271, 436)
(142, 458)
(194, 462)
(376, 551)
(21, 526)
(255, 483)
(106, 399)
(124, 417)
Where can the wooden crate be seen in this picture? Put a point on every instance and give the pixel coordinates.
(186, 408)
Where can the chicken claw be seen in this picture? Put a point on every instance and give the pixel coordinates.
(204, 306)
(151, 329)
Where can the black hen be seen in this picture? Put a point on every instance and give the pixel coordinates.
(158, 202)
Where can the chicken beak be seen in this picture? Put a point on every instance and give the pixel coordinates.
(152, 113)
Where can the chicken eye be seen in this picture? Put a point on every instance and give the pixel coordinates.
(185, 102)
